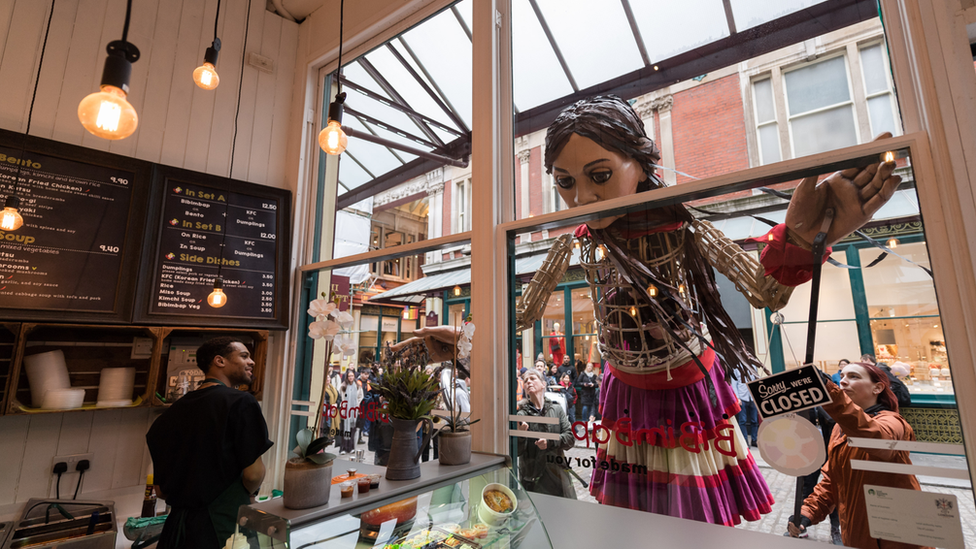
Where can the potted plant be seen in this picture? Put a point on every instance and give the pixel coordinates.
(308, 474)
(410, 394)
(455, 436)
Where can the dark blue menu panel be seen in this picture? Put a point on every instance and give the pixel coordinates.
(68, 255)
(205, 231)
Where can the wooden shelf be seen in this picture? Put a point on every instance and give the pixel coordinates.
(255, 340)
(90, 348)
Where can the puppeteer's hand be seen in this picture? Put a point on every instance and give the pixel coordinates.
(854, 194)
(440, 342)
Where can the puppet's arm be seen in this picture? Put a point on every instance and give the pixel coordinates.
(532, 303)
(741, 267)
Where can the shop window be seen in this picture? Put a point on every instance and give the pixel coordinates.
(462, 206)
(877, 87)
(820, 107)
(766, 126)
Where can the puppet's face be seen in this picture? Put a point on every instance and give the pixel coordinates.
(585, 173)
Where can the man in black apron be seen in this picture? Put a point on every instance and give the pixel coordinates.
(206, 450)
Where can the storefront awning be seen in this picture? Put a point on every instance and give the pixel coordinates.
(415, 292)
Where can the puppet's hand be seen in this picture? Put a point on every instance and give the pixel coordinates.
(440, 341)
(854, 194)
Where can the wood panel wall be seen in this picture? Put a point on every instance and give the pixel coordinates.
(179, 125)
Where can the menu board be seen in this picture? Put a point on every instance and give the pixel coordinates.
(68, 255)
(205, 229)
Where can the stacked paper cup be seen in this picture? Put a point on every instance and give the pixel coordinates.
(115, 387)
(47, 372)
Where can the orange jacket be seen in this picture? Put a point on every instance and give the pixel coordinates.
(843, 487)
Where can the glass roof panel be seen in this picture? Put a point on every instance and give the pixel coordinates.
(377, 158)
(752, 13)
(355, 72)
(351, 175)
(386, 134)
(445, 51)
(597, 44)
(671, 28)
(538, 78)
(406, 85)
(366, 105)
(464, 8)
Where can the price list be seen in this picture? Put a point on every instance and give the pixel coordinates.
(206, 231)
(68, 254)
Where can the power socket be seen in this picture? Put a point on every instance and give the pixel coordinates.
(72, 461)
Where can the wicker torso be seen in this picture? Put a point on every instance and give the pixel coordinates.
(639, 338)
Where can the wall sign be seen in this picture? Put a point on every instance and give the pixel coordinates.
(205, 223)
(74, 257)
(789, 392)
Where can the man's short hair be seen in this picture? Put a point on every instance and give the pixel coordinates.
(212, 348)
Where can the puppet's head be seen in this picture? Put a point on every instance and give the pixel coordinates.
(611, 123)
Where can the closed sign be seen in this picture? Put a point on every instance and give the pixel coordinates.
(789, 392)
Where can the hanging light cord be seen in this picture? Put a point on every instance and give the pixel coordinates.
(342, 13)
(30, 112)
(128, 15)
(217, 18)
(233, 147)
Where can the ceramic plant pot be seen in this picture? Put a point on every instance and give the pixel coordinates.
(454, 448)
(307, 484)
(404, 463)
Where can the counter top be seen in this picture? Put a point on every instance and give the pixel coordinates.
(432, 475)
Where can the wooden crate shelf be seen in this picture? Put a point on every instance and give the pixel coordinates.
(87, 350)
(255, 340)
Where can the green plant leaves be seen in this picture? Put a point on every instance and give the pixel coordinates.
(317, 446)
(321, 458)
(410, 392)
(304, 438)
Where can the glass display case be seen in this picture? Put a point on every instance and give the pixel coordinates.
(473, 506)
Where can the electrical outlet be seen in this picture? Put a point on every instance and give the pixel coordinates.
(72, 461)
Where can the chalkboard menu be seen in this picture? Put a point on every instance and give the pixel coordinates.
(74, 252)
(208, 226)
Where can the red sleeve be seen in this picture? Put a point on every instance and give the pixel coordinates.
(788, 263)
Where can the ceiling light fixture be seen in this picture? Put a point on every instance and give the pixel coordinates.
(217, 298)
(893, 243)
(11, 220)
(106, 113)
(332, 139)
(205, 75)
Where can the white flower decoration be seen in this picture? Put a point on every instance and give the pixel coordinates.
(344, 345)
(464, 342)
(344, 319)
(321, 307)
(323, 329)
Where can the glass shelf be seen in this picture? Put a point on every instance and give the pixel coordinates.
(451, 515)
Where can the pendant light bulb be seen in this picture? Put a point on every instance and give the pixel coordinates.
(893, 243)
(205, 75)
(10, 219)
(107, 113)
(332, 139)
(217, 297)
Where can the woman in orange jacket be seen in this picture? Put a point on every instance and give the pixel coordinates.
(863, 406)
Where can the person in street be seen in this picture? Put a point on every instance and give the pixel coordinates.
(587, 384)
(748, 416)
(566, 368)
(206, 450)
(541, 461)
(351, 393)
(863, 406)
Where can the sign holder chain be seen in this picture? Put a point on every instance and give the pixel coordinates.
(819, 246)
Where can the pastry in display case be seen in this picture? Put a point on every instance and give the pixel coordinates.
(481, 506)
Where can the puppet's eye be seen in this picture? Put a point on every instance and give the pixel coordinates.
(601, 176)
(565, 182)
